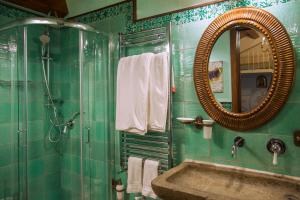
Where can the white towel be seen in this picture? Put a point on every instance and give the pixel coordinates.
(133, 93)
(150, 172)
(134, 179)
(159, 92)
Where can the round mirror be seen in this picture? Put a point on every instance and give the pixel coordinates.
(244, 68)
(240, 69)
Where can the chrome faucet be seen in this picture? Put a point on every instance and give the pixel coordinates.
(238, 142)
(276, 147)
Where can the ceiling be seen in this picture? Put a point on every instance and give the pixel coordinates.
(64, 8)
(56, 8)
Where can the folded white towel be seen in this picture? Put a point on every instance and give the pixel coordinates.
(133, 93)
(150, 172)
(159, 92)
(134, 179)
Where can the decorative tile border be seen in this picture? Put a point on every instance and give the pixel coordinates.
(102, 14)
(197, 14)
(201, 13)
(11, 12)
(126, 8)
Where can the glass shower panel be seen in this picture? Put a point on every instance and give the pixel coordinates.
(53, 120)
(67, 85)
(43, 152)
(11, 106)
(97, 177)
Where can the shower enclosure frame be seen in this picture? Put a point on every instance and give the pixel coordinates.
(56, 22)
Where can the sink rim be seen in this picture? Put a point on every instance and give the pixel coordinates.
(162, 182)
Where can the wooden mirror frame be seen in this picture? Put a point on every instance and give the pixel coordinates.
(283, 76)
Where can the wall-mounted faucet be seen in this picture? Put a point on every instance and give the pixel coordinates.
(276, 147)
(238, 142)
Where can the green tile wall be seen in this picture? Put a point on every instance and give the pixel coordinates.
(187, 28)
(189, 143)
(8, 14)
(43, 157)
(9, 151)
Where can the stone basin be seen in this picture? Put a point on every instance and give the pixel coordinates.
(199, 180)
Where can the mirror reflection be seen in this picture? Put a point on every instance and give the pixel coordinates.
(240, 69)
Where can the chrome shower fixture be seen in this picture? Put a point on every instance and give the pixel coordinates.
(44, 38)
(70, 123)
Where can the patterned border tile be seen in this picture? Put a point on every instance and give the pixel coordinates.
(97, 16)
(201, 13)
(126, 8)
(197, 14)
(11, 12)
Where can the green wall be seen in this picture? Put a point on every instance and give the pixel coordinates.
(9, 14)
(187, 28)
(189, 141)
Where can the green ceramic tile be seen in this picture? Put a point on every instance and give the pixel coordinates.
(98, 131)
(177, 37)
(52, 182)
(66, 194)
(75, 164)
(285, 122)
(178, 109)
(36, 149)
(99, 170)
(66, 180)
(193, 32)
(187, 56)
(5, 115)
(98, 151)
(8, 133)
(36, 130)
(192, 109)
(9, 154)
(52, 164)
(6, 93)
(75, 185)
(36, 110)
(9, 175)
(36, 168)
(178, 96)
(53, 195)
(189, 90)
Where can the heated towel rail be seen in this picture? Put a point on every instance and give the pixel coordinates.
(153, 145)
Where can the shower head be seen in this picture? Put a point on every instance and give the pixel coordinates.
(44, 38)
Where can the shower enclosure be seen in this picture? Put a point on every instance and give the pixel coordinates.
(53, 101)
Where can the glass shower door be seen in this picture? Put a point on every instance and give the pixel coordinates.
(12, 150)
(96, 160)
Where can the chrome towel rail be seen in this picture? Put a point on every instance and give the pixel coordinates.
(152, 145)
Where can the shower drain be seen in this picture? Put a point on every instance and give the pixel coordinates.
(290, 197)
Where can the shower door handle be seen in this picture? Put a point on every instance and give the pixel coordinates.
(88, 135)
(21, 131)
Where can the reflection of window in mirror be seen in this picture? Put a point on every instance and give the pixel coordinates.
(252, 68)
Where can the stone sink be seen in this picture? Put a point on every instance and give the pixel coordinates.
(199, 180)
